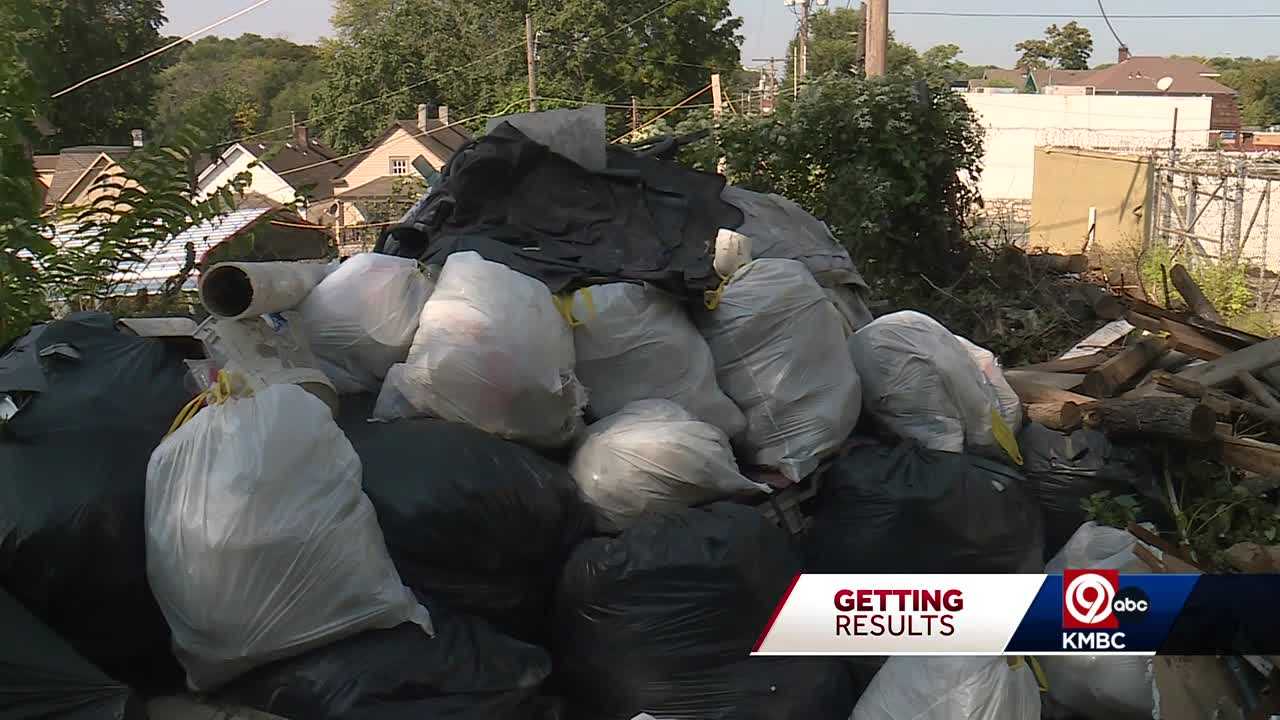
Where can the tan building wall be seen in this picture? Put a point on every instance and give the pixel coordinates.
(1068, 182)
(377, 164)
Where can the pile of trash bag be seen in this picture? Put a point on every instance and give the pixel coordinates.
(361, 319)
(491, 351)
(948, 688)
(652, 457)
(92, 403)
(634, 342)
(41, 676)
(260, 543)
(480, 523)
(908, 509)
(921, 383)
(467, 671)
(780, 355)
(662, 619)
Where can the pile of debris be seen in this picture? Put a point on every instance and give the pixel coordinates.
(554, 451)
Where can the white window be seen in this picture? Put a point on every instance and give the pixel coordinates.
(399, 166)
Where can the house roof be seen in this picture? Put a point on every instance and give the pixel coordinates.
(1139, 74)
(46, 163)
(440, 139)
(1017, 78)
(1046, 77)
(74, 162)
(387, 186)
(297, 165)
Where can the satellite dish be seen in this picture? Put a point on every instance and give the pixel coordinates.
(1164, 83)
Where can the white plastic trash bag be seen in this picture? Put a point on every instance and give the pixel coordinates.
(361, 319)
(261, 544)
(853, 310)
(1111, 687)
(634, 342)
(1010, 403)
(492, 351)
(654, 456)
(951, 688)
(780, 355)
(920, 383)
(1096, 547)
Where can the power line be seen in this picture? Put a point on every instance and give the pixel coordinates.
(1068, 15)
(1109, 25)
(160, 50)
(632, 57)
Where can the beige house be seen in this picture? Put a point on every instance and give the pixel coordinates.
(392, 155)
(72, 176)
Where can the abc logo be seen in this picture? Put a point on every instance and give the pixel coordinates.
(1092, 599)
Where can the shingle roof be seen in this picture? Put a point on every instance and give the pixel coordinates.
(1052, 76)
(285, 160)
(74, 161)
(443, 142)
(388, 186)
(45, 163)
(1017, 78)
(1140, 74)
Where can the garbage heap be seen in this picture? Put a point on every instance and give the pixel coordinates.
(555, 450)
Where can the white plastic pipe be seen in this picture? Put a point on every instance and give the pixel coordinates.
(241, 290)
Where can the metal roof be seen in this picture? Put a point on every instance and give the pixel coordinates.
(168, 259)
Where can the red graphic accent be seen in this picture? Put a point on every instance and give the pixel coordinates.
(776, 612)
(1088, 598)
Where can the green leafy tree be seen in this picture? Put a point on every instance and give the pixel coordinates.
(80, 38)
(1068, 47)
(1258, 82)
(835, 46)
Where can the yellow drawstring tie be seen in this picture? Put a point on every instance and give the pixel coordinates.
(221, 390)
(564, 303)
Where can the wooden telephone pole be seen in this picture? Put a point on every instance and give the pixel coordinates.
(531, 53)
(877, 37)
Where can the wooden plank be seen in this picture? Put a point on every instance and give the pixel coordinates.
(1120, 370)
(1192, 342)
(1031, 392)
(1062, 381)
(1191, 292)
(1222, 371)
(1078, 364)
(1252, 455)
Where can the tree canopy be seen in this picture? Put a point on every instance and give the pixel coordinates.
(469, 54)
(835, 46)
(1068, 47)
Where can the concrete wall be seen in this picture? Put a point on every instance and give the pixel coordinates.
(1068, 182)
(377, 164)
(1017, 124)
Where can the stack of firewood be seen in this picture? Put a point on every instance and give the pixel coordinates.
(1161, 374)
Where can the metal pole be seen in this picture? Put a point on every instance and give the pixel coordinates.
(531, 54)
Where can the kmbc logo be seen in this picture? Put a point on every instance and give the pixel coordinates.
(1088, 599)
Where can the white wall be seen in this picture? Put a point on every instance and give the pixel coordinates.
(264, 181)
(1017, 124)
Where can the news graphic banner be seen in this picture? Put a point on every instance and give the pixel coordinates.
(1081, 611)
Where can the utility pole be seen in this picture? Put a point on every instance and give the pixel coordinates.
(531, 52)
(861, 67)
(804, 38)
(877, 37)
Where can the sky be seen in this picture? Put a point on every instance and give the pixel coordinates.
(769, 25)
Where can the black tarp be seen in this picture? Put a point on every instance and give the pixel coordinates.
(478, 522)
(42, 677)
(516, 202)
(906, 509)
(1063, 469)
(73, 466)
(468, 671)
(663, 618)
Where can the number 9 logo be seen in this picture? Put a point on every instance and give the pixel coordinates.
(1088, 599)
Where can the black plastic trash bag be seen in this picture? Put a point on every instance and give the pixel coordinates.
(468, 671)
(1063, 469)
(73, 474)
(907, 509)
(41, 676)
(482, 524)
(663, 618)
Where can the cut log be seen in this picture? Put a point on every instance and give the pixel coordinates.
(1062, 381)
(1103, 304)
(1031, 392)
(1259, 391)
(1254, 359)
(1193, 342)
(1252, 455)
(1191, 292)
(1061, 416)
(1171, 418)
(1051, 262)
(1078, 364)
(1120, 370)
(1221, 402)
